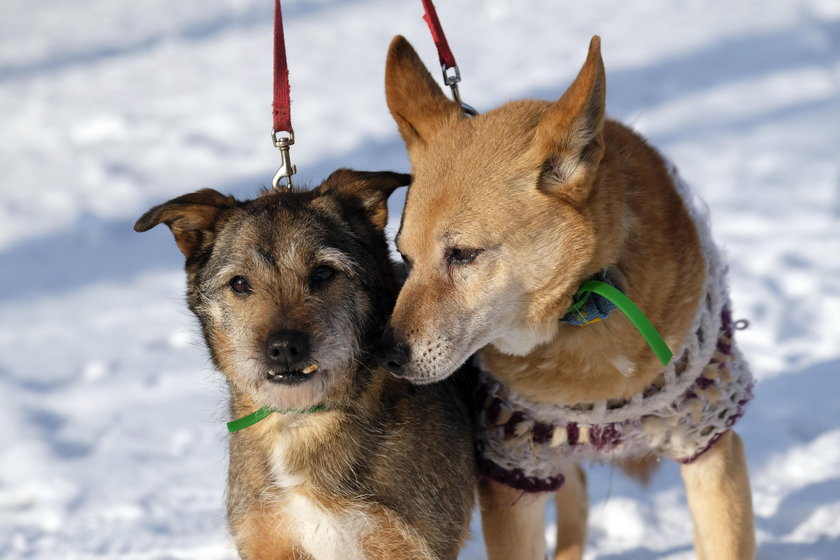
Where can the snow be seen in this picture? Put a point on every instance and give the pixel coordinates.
(111, 424)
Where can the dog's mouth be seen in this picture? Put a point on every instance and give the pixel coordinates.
(293, 376)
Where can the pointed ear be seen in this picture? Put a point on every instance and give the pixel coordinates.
(191, 218)
(416, 101)
(368, 189)
(569, 137)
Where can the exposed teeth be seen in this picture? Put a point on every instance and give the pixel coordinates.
(309, 369)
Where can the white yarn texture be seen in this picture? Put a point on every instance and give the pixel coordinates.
(695, 400)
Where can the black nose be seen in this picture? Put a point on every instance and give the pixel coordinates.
(286, 348)
(394, 354)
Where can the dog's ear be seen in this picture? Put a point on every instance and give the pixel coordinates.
(416, 101)
(190, 217)
(569, 137)
(369, 190)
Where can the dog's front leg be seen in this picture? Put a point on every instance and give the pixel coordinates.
(718, 491)
(512, 522)
(572, 503)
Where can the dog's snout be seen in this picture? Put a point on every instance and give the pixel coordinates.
(286, 348)
(393, 354)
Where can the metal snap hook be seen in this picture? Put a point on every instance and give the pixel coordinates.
(452, 79)
(286, 170)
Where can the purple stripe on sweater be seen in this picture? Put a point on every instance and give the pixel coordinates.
(572, 433)
(704, 382)
(606, 436)
(516, 478)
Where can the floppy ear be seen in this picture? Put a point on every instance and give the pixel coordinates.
(190, 217)
(569, 137)
(416, 101)
(369, 189)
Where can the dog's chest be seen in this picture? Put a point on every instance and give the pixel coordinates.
(323, 533)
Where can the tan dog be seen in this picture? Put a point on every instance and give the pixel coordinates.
(292, 290)
(508, 214)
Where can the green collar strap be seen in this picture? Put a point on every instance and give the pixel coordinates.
(603, 289)
(262, 414)
(626, 306)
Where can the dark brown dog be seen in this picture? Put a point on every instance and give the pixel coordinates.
(292, 290)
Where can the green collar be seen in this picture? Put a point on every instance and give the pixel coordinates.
(262, 414)
(639, 320)
(603, 289)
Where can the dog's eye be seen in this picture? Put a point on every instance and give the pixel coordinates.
(240, 285)
(462, 256)
(323, 273)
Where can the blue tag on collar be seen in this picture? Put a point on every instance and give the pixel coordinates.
(590, 308)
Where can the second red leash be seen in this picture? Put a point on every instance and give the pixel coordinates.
(445, 56)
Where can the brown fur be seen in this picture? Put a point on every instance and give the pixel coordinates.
(386, 471)
(509, 212)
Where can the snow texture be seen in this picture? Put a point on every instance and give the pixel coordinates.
(112, 442)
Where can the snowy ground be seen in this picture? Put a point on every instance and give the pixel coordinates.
(111, 435)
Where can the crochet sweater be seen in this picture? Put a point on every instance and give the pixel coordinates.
(681, 414)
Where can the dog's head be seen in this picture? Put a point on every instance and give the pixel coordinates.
(291, 289)
(507, 213)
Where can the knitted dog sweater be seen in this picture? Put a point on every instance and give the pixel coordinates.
(694, 401)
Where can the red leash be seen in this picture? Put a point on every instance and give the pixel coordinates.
(445, 56)
(282, 133)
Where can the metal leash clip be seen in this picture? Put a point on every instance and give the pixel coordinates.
(452, 80)
(286, 168)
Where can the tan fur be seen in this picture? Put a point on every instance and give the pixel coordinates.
(512, 522)
(265, 540)
(541, 196)
(386, 470)
(718, 490)
(572, 507)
